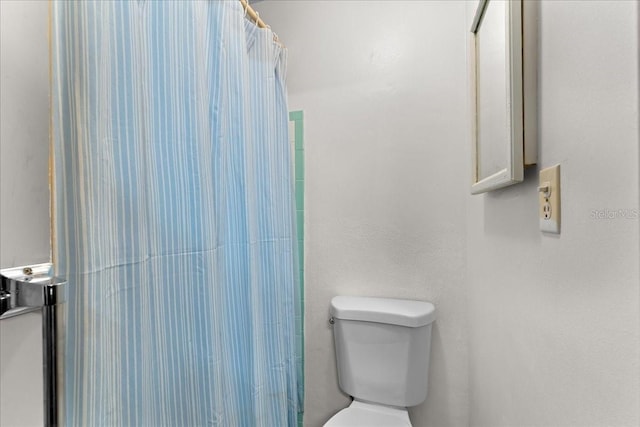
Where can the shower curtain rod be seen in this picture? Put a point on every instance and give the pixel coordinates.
(255, 17)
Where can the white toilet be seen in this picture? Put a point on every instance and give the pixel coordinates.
(382, 351)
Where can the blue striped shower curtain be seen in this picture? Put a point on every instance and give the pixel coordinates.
(174, 216)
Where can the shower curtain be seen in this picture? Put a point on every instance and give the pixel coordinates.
(173, 216)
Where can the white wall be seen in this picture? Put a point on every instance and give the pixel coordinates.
(24, 195)
(383, 89)
(552, 335)
(554, 320)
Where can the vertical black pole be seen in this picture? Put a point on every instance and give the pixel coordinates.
(50, 371)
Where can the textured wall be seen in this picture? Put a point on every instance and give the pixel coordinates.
(383, 89)
(24, 195)
(24, 132)
(554, 320)
(552, 336)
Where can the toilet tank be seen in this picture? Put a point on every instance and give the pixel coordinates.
(382, 348)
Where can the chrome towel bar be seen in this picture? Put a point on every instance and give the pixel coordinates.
(24, 289)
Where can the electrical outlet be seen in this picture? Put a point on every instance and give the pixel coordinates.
(549, 199)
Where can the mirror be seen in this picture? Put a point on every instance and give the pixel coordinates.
(497, 96)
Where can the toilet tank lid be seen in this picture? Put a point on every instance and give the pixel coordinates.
(383, 310)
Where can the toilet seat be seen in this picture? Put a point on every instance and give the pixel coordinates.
(360, 414)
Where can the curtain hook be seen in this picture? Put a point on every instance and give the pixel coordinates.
(246, 7)
(257, 18)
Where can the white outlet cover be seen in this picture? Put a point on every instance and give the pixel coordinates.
(550, 177)
(549, 226)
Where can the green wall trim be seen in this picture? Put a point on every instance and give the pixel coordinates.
(300, 166)
(297, 118)
(296, 115)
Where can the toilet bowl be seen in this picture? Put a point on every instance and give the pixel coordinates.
(361, 414)
(382, 353)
